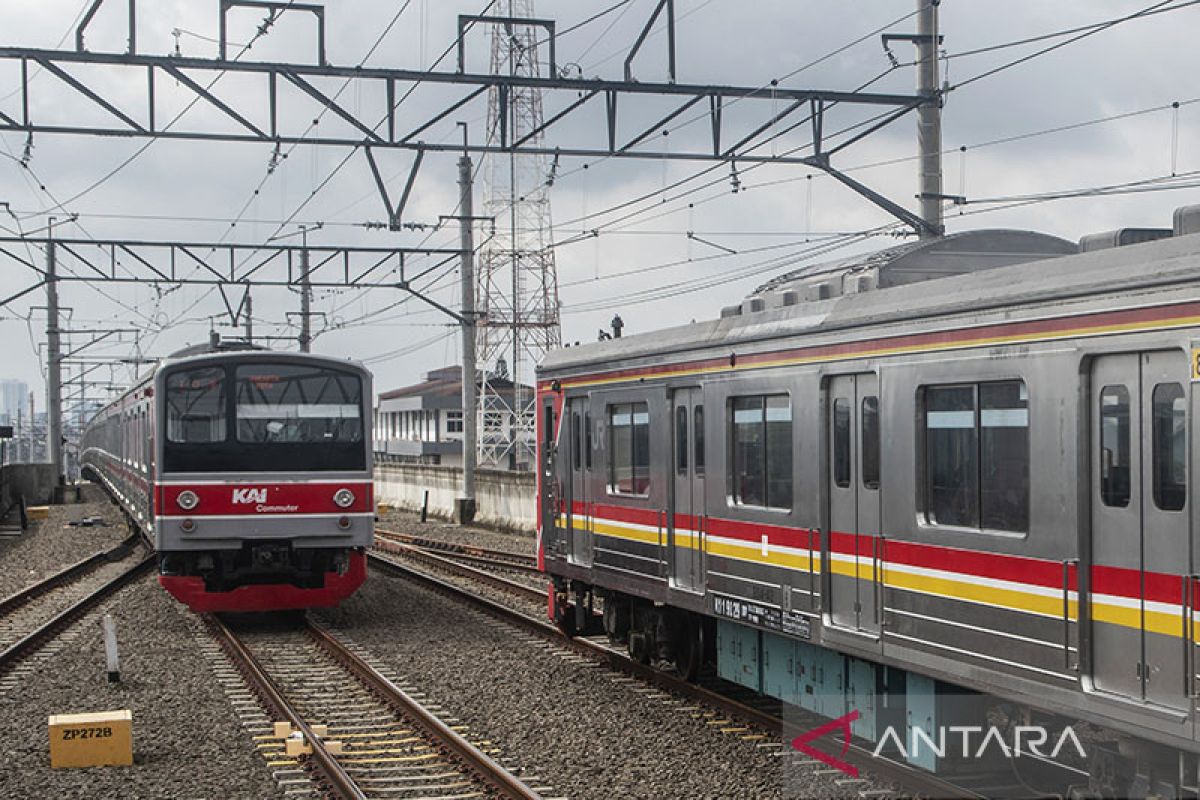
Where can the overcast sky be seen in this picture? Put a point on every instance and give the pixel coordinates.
(1143, 64)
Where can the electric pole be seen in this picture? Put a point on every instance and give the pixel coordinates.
(929, 116)
(54, 367)
(249, 317)
(466, 510)
(305, 294)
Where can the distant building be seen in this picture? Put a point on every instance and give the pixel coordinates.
(423, 423)
(14, 395)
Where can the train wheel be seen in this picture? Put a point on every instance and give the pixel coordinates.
(689, 647)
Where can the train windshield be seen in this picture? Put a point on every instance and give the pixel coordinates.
(263, 417)
(280, 403)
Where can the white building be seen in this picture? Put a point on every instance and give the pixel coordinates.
(423, 423)
(14, 395)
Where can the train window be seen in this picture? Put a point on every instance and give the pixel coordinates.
(279, 403)
(1170, 447)
(1114, 446)
(762, 451)
(681, 439)
(587, 440)
(196, 406)
(698, 438)
(870, 442)
(977, 455)
(841, 442)
(576, 456)
(629, 448)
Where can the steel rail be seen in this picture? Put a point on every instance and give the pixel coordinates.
(333, 773)
(488, 770)
(922, 783)
(47, 630)
(475, 573)
(470, 552)
(79, 568)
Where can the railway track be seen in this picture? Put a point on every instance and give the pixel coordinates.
(720, 696)
(390, 744)
(504, 559)
(34, 616)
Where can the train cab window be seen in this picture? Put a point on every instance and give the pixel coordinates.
(870, 442)
(841, 442)
(1114, 446)
(977, 456)
(761, 438)
(629, 448)
(681, 440)
(284, 403)
(698, 438)
(1170, 447)
(196, 406)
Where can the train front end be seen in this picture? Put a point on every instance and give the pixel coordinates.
(264, 499)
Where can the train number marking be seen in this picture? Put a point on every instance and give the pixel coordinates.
(1195, 364)
(70, 734)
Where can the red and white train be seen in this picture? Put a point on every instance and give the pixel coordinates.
(251, 470)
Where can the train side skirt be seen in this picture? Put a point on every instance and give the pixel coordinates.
(190, 591)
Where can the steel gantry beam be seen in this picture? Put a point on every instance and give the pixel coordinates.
(235, 266)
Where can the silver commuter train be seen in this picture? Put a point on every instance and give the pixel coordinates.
(864, 486)
(250, 469)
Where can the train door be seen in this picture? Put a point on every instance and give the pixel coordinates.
(579, 507)
(687, 515)
(1139, 527)
(853, 480)
(551, 504)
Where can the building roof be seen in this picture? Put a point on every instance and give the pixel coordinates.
(443, 382)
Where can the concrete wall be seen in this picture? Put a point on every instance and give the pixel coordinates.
(503, 499)
(34, 481)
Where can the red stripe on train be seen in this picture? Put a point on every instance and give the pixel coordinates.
(258, 499)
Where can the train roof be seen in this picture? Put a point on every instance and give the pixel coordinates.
(771, 313)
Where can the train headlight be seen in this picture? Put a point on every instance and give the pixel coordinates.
(344, 498)
(187, 500)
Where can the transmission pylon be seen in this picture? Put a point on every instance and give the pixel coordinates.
(517, 280)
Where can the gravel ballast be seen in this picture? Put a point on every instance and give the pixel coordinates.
(188, 741)
(51, 545)
(407, 522)
(588, 732)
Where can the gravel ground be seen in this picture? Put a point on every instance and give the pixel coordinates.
(588, 732)
(188, 742)
(406, 522)
(51, 545)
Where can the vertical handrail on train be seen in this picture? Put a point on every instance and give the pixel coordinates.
(812, 596)
(1066, 611)
(1189, 635)
(880, 582)
(662, 568)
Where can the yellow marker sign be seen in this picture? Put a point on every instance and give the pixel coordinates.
(91, 740)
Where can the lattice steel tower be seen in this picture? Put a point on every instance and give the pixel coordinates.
(517, 291)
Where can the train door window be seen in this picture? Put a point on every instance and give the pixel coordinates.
(629, 448)
(587, 441)
(870, 442)
(681, 440)
(1170, 446)
(698, 437)
(841, 442)
(576, 456)
(1114, 446)
(762, 451)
